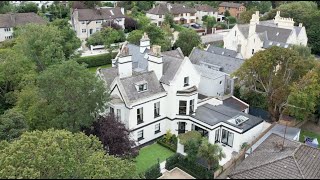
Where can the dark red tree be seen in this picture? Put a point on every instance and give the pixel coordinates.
(114, 136)
(112, 25)
(130, 24)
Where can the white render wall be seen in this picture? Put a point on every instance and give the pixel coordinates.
(4, 34)
(155, 18)
(212, 87)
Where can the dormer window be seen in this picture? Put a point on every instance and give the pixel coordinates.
(142, 86)
(186, 81)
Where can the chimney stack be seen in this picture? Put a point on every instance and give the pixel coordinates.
(144, 43)
(300, 24)
(125, 63)
(155, 62)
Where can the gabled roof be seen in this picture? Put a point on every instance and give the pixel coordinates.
(228, 64)
(208, 73)
(99, 14)
(171, 66)
(181, 8)
(232, 5)
(205, 8)
(174, 53)
(160, 9)
(268, 161)
(274, 33)
(222, 51)
(244, 29)
(128, 84)
(18, 19)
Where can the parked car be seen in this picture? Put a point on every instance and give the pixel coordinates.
(196, 26)
(186, 25)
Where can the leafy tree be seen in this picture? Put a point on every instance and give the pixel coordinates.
(108, 4)
(66, 96)
(58, 11)
(144, 5)
(106, 36)
(112, 25)
(59, 154)
(273, 73)
(246, 16)
(187, 40)
(264, 6)
(135, 36)
(71, 41)
(158, 37)
(27, 7)
(191, 141)
(15, 72)
(41, 43)
(212, 153)
(227, 13)
(168, 19)
(204, 18)
(12, 125)
(210, 22)
(114, 136)
(130, 24)
(5, 7)
(232, 20)
(313, 37)
(143, 21)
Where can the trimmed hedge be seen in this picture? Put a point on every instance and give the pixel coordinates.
(192, 168)
(98, 60)
(153, 172)
(167, 145)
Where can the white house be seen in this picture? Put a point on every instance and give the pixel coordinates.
(11, 20)
(259, 35)
(153, 92)
(85, 22)
(206, 10)
(216, 65)
(182, 14)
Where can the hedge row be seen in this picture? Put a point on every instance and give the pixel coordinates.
(98, 60)
(172, 147)
(153, 172)
(192, 168)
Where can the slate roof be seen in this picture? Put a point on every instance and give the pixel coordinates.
(109, 74)
(212, 115)
(170, 67)
(16, 19)
(228, 64)
(268, 161)
(208, 73)
(244, 29)
(101, 14)
(222, 51)
(232, 5)
(235, 104)
(205, 8)
(274, 33)
(162, 9)
(131, 93)
(174, 53)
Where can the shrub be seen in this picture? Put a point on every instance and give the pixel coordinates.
(98, 60)
(167, 145)
(169, 141)
(153, 172)
(244, 145)
(172, 161)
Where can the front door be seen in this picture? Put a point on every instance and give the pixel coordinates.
(91, 31)
(181, 127)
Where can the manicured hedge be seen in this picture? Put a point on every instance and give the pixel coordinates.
(98, 60)
(192, 168)
(170, 146)
(153, 172)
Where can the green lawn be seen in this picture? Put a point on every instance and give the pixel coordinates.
(309, 134)
(94, 69)
(148, 156)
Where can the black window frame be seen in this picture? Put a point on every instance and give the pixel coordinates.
(111, 110)
(155, 108)
(140, 138)
(140, 115)
(216, 136)
(184, 81)
(185, 110)
(157, 130)
(227, 133)
(191, 106)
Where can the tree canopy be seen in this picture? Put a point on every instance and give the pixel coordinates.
(135, 36)
(59, 154)
(12, 125)
(275, 73)
(106, 36)
(65, 96)
(187, 40)
(158, 37)
(212, 153)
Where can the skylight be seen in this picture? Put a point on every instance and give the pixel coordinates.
(240, 119)
(277, 34)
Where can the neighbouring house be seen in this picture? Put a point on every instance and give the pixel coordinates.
(279, 158)
(153, 91)
(259, 35)
(11, 20)
(223, 51)
(235, 9)
(46, 4)
(215, 68)
(85, 22)
(182, 14)
(206, 10)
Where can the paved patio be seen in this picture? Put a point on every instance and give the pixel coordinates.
(176, 173)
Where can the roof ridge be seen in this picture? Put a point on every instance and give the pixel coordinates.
(295, 161)
(219, 54)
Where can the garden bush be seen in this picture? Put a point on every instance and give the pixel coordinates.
(169, 141)
(153, 172)
(98, 60)
(192, 168)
